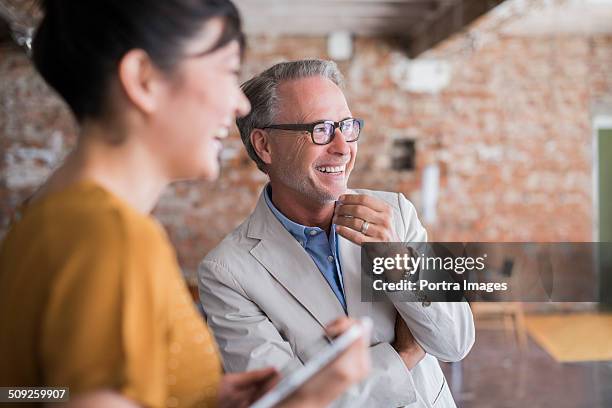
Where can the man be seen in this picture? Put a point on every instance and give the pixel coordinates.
(270, 287)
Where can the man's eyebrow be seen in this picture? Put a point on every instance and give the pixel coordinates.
(303, 119)
(326, 119)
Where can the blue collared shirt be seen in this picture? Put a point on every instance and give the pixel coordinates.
(322, 249)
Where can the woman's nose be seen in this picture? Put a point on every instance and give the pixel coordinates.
(244, 106)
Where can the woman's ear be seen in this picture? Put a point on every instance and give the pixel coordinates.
(261, 144)
(140, 80)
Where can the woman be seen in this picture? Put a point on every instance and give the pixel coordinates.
(91, 296)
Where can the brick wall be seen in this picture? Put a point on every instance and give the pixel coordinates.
(511, 134)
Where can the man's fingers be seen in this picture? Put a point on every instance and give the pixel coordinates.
(374, 232)
(352, 235)
(354, 209)
(366, 200)
(359, 211)
(353, 223)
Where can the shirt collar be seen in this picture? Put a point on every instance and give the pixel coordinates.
(300, 232)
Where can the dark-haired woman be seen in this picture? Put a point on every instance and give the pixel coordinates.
(91, 296)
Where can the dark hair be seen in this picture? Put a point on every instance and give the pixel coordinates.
(79, 43)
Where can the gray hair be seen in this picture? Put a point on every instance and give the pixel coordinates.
(261, 91)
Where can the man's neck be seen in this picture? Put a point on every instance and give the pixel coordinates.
(301, 209)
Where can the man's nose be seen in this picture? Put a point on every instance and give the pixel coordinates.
(339, 145)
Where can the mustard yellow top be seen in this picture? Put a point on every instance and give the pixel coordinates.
(91, 298)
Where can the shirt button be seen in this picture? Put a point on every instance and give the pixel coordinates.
(313, 232)
(330, 258)
(426, 303)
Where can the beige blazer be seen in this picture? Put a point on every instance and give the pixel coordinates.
(267, 303)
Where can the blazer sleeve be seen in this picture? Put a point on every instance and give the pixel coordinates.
(248, 340)
(444, 329)
(245, 336)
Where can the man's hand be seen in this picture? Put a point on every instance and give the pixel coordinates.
(242, 389)
(361, 218)
(406, 346)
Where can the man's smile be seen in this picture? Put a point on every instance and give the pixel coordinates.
(331, 169)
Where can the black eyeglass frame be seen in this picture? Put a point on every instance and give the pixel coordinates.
(310, 127)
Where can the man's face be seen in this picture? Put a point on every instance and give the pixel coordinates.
(317, 172)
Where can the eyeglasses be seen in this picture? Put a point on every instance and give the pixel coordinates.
(322, 132)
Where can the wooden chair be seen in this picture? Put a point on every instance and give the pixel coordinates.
(508, 316)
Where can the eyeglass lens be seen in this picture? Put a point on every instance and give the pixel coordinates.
(323, 132)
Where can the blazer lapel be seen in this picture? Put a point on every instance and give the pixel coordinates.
(383, 312)
(291, 266)
(350, 262)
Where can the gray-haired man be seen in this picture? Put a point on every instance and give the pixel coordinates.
(294, 265)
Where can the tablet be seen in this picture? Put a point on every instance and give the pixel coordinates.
(297, 378)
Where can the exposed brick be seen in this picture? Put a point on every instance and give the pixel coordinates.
(511, 133)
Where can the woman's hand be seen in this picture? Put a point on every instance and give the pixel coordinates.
(349, 368)
(241, 389)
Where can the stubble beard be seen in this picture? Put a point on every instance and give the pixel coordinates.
(306, 187)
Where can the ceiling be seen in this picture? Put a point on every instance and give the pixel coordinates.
(420, 23)
(591, 17)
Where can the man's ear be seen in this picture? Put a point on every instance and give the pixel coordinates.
(261, 144)
(140, 80)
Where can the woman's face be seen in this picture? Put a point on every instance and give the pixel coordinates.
(199, 105)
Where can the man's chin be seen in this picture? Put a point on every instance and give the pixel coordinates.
(327, 193)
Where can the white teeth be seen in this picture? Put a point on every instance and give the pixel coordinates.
(222, 132)
(327, 169)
